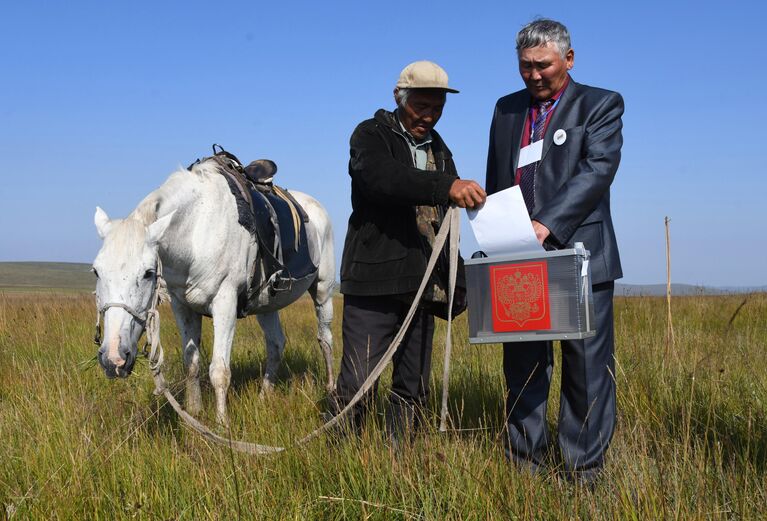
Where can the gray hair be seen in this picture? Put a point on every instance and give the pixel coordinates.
(542, 31)
(401, 96)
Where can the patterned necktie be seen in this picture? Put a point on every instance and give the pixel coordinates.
(527, 177)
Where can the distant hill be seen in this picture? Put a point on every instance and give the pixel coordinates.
(77, 276)
(681, 290)
(39, 276)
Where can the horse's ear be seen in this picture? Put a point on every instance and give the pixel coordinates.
(103, 224)
(156, 230)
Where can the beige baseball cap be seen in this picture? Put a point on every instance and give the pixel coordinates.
(423, 75)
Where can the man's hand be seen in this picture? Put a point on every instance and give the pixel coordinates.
(541, 232)
(467, 194)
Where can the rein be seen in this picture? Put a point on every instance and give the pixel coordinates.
(450, 229)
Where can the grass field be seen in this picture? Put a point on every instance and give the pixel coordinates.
(46, 277)
(691, 440)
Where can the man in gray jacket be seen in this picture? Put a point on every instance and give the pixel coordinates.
(571, 137)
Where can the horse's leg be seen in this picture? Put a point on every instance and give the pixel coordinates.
(224, 312)
(189, 325)
(322, 294)
(275, 346)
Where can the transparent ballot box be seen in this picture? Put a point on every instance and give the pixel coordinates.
(533, 296)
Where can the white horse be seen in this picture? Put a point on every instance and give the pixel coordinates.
(191, 224)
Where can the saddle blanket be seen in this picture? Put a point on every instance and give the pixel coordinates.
(277, 222)
(290, 249)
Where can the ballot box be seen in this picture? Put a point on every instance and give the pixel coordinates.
(523, 297)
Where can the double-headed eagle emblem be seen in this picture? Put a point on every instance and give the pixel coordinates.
(520, 296)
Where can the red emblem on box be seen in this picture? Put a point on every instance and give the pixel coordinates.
(520, 296)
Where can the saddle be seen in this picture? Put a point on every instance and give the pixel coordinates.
(274, 218)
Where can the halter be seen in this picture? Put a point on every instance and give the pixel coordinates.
(149, 320)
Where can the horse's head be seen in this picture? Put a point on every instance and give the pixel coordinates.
(126, 278)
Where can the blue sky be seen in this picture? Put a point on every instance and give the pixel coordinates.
(100, 101)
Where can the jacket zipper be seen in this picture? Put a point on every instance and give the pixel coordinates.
(440, 212)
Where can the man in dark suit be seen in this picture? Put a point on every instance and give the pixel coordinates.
(560, 141)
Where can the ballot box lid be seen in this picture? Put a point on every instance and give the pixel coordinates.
(525, 255)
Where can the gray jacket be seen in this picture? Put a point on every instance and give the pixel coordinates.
(572, 183)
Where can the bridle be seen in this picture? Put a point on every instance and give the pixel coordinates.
(148, 320)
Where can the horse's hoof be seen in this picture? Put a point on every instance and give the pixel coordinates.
(193, 401)
(267, 388)
(194, 409)
(222, 419)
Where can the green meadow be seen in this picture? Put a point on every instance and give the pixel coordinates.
(691, 441)
(46, 277)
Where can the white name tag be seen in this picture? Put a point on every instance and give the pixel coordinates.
(530, 154)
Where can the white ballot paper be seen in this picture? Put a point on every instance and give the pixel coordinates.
(503, 225)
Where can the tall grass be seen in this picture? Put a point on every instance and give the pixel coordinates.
(691, 440)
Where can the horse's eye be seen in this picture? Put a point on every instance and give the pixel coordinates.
(148, 274)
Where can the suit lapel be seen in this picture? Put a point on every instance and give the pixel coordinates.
(559, 115)
(517, 127)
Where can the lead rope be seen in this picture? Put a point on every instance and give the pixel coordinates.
(455, 223)
(156, 354)
(450, 227)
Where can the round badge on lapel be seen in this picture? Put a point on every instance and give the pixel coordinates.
(560, 136)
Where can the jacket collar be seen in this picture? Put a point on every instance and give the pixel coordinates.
(389, 120)
(558, 116)
(523, 108)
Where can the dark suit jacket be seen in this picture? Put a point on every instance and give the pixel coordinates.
(572, 183)
(384, 251)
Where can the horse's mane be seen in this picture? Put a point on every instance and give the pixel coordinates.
(203, 168)
(128, 240)
(147, 210)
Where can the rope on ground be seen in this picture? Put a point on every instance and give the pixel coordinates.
(450, 227)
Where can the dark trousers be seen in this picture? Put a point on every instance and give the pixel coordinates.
(587, 399)
(369, 325)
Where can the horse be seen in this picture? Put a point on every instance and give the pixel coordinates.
(188, 228)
